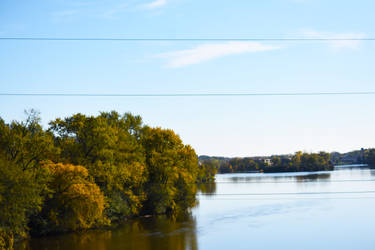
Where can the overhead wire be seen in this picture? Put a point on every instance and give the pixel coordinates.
(291, 193)
(192, 39)
(190, 94)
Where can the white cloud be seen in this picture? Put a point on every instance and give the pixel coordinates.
(154, 4)
(65, 15)
(206, 52)
(115, 10)
(337, 44)
(300, 1)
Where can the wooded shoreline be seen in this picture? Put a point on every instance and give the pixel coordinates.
(90, 172)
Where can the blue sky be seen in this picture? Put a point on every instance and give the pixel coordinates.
(228, 126)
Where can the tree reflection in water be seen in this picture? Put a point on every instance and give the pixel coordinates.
(159, 232)
(282, 177)
(207, 188)
(313, 177)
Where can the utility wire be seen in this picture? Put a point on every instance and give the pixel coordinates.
(181, 39)
(192, 94)
(212, 198)
(297, 193)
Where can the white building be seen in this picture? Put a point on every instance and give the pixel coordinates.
(267, 161)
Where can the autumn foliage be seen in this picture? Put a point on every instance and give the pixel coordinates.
(90, 171)
(74, 201)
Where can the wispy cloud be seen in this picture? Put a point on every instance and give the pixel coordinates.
(115, 10)
(206, 52)
(64, 16)
(337, 44)
(300, 1)
(109, 10)
(154, 4)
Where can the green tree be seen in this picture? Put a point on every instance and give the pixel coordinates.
(369, 157)
(207, 171)
(23, 182)
(85, 169)
(26, 143)
(20, 197)
(172, 168)
(108, 146)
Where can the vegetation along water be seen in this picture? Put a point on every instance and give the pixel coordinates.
(300, 210)
(99, 172)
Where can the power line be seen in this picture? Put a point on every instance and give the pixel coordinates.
(180, 39)
(212, 198)
(192, 94)
(297, 193)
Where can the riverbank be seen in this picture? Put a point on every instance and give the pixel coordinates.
(88, 172)
(251, 207)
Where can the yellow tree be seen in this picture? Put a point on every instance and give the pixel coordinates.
(75, 202)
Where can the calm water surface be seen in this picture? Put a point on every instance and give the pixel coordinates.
(320, 210)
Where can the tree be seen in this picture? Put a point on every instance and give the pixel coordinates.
(75, 202)
(276, 161)
(23, 145)
(207, 171)
(108, 146)
(20, 197)
(369, 157)
(26, 143)
(88, 171)
(172, 168)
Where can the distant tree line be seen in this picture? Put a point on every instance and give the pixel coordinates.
(290, 163)
(300, 162)
(369, 157)
(90, 171)
(294, 163)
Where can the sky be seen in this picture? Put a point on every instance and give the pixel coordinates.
(221, 126)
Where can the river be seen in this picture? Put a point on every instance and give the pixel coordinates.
(310, 210)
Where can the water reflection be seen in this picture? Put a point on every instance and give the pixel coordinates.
(247, 210)
(313, 177)
(207, 188)
(352, 166)
(285, 177)
(146, 233)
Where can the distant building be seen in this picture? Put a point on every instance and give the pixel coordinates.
(267, 161)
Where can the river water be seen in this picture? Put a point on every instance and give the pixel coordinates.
(313, 210)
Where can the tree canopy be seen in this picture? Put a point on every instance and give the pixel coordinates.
(91, 171)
